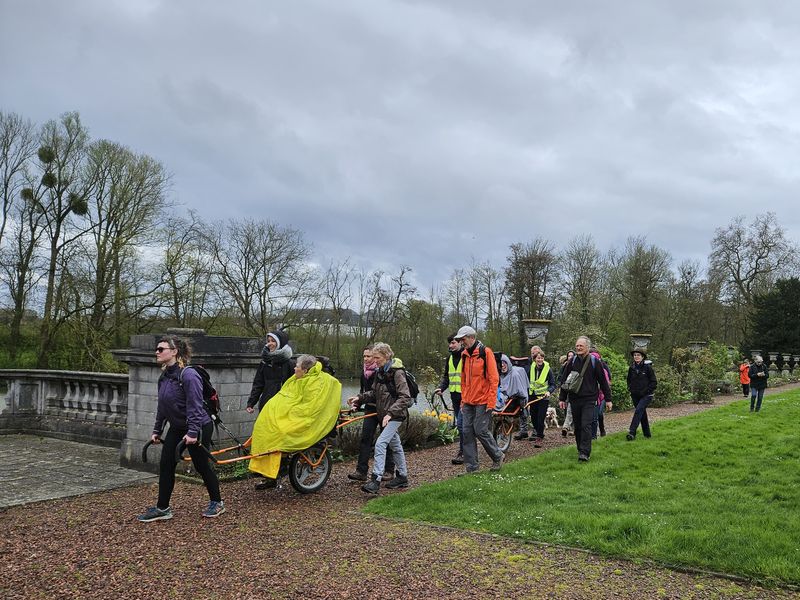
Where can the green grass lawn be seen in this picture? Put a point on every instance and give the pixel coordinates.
(718, 490)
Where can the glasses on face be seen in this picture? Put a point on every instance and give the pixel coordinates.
(160, 349)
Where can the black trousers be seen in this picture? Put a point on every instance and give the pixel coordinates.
(166, 473)
(370, 424)
(582, 417)
(538, 415)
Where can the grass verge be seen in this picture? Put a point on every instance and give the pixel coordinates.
(719, 490)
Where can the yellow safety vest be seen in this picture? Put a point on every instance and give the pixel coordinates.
(539, 386)
(454, 375)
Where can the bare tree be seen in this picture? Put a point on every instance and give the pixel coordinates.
(747, 259)
(531, 278)
(337, 289)
(639, 274)
(17, 147)
(582, 273)
(261, 268)
(61, 196)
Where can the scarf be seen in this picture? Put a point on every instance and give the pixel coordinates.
(280, 355)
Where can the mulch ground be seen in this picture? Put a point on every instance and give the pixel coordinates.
(279, 544)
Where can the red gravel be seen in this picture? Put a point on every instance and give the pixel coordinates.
(279, 544)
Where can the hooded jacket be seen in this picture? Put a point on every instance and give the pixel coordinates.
(514, 382)
(642, 379)
(381, 395)
(477, 387)
(180, 403)
(275, 368)
(758, 382)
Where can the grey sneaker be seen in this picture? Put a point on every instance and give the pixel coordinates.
(373, 486)
(401, 481)
(498, 463)
(155, 514)
(214, 509)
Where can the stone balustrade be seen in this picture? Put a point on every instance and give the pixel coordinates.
(73, 405)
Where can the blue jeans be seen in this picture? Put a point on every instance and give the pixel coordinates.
(599, 409)
(389, 437)
(640, 415)
(753, 394)
(370, 424)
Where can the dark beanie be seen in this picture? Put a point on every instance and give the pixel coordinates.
(280, 337)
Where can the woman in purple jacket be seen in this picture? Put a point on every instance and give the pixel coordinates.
(180, 403)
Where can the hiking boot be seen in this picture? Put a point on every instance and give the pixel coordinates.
(357, 476)
(521, 435)
(458, 460)
(468, 472)
(583, 458)
(630, 437)
(602, 432)
(267, 484)
(401, 481)
(155, 514)
(373, 486)
(537, 443)
(563, 433)
(387, 476)
(214, 509)
(498, 463)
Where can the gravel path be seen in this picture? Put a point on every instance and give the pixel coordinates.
(278, 544)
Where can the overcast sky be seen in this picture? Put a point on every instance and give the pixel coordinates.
(422, 133)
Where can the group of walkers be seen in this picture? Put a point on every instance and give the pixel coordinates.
(476, 385)
(753, 378)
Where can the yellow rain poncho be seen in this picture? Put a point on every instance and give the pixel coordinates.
(295, 418)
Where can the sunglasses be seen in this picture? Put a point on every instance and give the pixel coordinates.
(160, 349)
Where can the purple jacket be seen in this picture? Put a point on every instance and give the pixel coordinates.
(180, 405)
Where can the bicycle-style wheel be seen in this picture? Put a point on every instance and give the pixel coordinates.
(502, 434)
(305, 477)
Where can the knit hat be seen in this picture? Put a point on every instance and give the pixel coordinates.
(280, 337)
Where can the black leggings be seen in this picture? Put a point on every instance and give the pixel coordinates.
(166, 473)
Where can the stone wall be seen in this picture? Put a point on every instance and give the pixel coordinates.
(71, 405)
(231, 362)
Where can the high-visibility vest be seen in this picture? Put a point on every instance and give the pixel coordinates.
(539, 385)
(454, 375)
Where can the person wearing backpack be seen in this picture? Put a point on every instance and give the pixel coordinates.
(180, 404)
(479, 382)
(583, 376)
(369, 425)
(392, 397)
(642, 385)
(275, 368)
(602, 405)
(451, 380)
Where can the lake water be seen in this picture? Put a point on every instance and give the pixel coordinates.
(350, 388)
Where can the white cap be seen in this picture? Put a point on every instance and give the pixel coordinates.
(465, 331)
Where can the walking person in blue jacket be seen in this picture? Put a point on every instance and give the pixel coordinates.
(180, 404)
(642, 385)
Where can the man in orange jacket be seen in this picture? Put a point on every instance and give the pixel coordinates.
(479, 381)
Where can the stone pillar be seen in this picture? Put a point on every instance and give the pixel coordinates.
(231, 362)
(785, 367)
(773, 368)
(796, 363)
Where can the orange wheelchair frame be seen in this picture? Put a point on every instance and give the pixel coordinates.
(308, 469)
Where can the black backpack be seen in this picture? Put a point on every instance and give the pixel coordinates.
(210, 397)
(413, 386)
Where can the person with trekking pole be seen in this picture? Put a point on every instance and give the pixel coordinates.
(180, 404)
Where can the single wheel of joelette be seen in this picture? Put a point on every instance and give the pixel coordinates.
(304, 476)
(502, 434)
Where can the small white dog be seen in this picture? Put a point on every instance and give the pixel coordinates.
(551, 418)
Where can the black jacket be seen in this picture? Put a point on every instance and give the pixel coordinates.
(593, 380)
(270, 376)
(758, 382)
(641, 379)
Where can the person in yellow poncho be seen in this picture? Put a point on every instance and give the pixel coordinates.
(304, 410)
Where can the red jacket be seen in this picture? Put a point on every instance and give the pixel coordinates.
(744, 373)
(475, 387)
